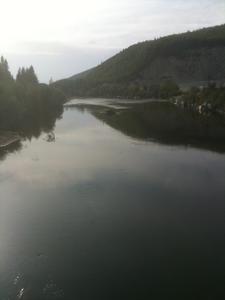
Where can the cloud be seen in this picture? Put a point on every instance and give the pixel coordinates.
(57, 60)
(97, 27)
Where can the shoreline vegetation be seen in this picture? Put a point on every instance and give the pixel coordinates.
(27, 107)
(184, 69)
(209, 99)
(187, 69)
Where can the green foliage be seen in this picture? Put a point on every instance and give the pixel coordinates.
(127, 73)
(169, 89)
(27, 76)
(211, 98)
(24, 102)
(5, 75)
(138, 90)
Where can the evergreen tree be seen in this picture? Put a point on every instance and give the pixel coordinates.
(24, 102)
(27, 76)
(4, 70)
(31, 75)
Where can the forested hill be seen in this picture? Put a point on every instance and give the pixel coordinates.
(183, 58)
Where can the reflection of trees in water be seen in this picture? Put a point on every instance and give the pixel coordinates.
(165, 123)
(33, 128)
(15, 147)
(50, 137)
(36, 126)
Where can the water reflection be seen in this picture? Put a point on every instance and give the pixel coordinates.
(88, 212)
(10, 149)
(33, 129)
(161, 122)
(164, 123)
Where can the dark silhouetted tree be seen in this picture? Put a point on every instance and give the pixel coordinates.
(27, 76)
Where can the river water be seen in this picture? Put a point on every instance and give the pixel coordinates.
(119, 201)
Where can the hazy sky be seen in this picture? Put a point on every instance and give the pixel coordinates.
(63, 37)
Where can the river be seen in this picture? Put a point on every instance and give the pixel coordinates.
(120, 200)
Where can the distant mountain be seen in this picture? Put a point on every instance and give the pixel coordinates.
(186, 58)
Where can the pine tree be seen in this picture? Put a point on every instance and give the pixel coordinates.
(4, 70)
(27, 76)
(18, 76)
(32, 76)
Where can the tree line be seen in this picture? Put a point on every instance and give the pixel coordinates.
(132, 90)
(205, 100)
(24, 102)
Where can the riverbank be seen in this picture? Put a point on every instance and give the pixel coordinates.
(205, 101)
(8, 138)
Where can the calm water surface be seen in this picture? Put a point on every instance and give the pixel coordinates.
(111, 207)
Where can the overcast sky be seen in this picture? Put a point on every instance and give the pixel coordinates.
(63, 37)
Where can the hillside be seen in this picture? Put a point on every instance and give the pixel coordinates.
(183, 58)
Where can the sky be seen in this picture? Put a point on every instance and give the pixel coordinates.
(64, 37)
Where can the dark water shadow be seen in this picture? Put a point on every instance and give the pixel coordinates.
(33, 128)
(166, 124)
(14, 147)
